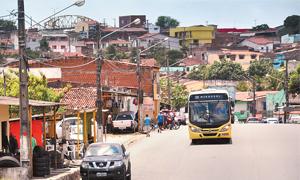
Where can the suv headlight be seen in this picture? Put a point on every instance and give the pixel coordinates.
(85, 165)
(118, 163)
(195, 129)
(225, 128)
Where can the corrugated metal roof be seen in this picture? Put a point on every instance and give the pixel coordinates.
(4, 100)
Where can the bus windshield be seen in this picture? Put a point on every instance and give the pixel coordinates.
(209, 113)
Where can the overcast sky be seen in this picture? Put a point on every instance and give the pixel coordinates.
(224, 13)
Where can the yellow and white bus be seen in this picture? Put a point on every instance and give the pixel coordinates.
(210, 114)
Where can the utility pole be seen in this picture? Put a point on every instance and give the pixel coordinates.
(140, 92)
(4, 82)
(99, 103)
(254, 97)
(24, 104)
(286, 89)
(168, 78)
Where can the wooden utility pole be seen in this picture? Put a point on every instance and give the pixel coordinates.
(254, 97)
(168, 81)
(139, 92)
(24, 103)
(4, 82)
(99, 103)
(286, 90)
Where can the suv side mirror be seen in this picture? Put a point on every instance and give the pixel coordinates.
(126, 154)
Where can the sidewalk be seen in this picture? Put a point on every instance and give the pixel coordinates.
(74, 174)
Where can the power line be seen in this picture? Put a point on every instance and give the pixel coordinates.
(64, 67)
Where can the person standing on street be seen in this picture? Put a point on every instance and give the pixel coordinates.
(160, 122)
(109, 123)
(147, 123)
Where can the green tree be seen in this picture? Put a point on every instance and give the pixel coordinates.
(32, 54)
(37, 90)
(133, 54)
(261, 27)
(174, 56)
(225, 70)
(111, 52)
(294, 82)
(37, 87)
(44, 45)
(292, 24)
(242, 86)
(159, 54)
(7, 25)
(166, 22)
(179, 94)
(199, 73)
(260, 68)
(274, 80)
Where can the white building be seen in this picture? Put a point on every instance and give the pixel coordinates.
(259, 44)
(149, 39)
(286, 39)
(153, 28)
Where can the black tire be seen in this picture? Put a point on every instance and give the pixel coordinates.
(8, 161)
(229, 141)
(41, 164)
(41, 160)
(46, 170)
(40, 173)
(194, 141)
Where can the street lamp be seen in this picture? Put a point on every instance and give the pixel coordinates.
(140, 92)
(99, 58)
(77, 3)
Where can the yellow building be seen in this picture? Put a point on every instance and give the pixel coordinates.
(193, 35)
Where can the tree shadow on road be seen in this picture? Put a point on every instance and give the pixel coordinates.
(211, 142)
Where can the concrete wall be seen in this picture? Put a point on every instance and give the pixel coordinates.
(14, 173)
(240, 106)
(4, 114)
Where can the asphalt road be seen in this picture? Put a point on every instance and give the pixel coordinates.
(258, 152)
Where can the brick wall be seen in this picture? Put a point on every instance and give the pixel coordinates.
(114, 74)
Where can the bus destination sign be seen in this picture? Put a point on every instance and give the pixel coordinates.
(206, 97)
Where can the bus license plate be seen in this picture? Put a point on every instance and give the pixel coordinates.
(101, 174)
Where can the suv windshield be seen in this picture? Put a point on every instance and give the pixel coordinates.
(103, 150)
(124, 117)
(209, 112)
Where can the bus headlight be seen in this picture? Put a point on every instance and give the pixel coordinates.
(225, 128)
(195, 129)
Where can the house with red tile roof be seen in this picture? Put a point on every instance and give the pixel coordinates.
(260, 44)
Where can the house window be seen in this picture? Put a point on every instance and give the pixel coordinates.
(241, 56)
(54, 47)
(221, 56)
(262, 48)
(33, 40)
(82, 28)
(188, 69)
(232, 57)
(62, 47)
(253, 56)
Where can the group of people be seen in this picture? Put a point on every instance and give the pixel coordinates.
(163, 119)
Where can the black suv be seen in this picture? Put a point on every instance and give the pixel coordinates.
(106, 160)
